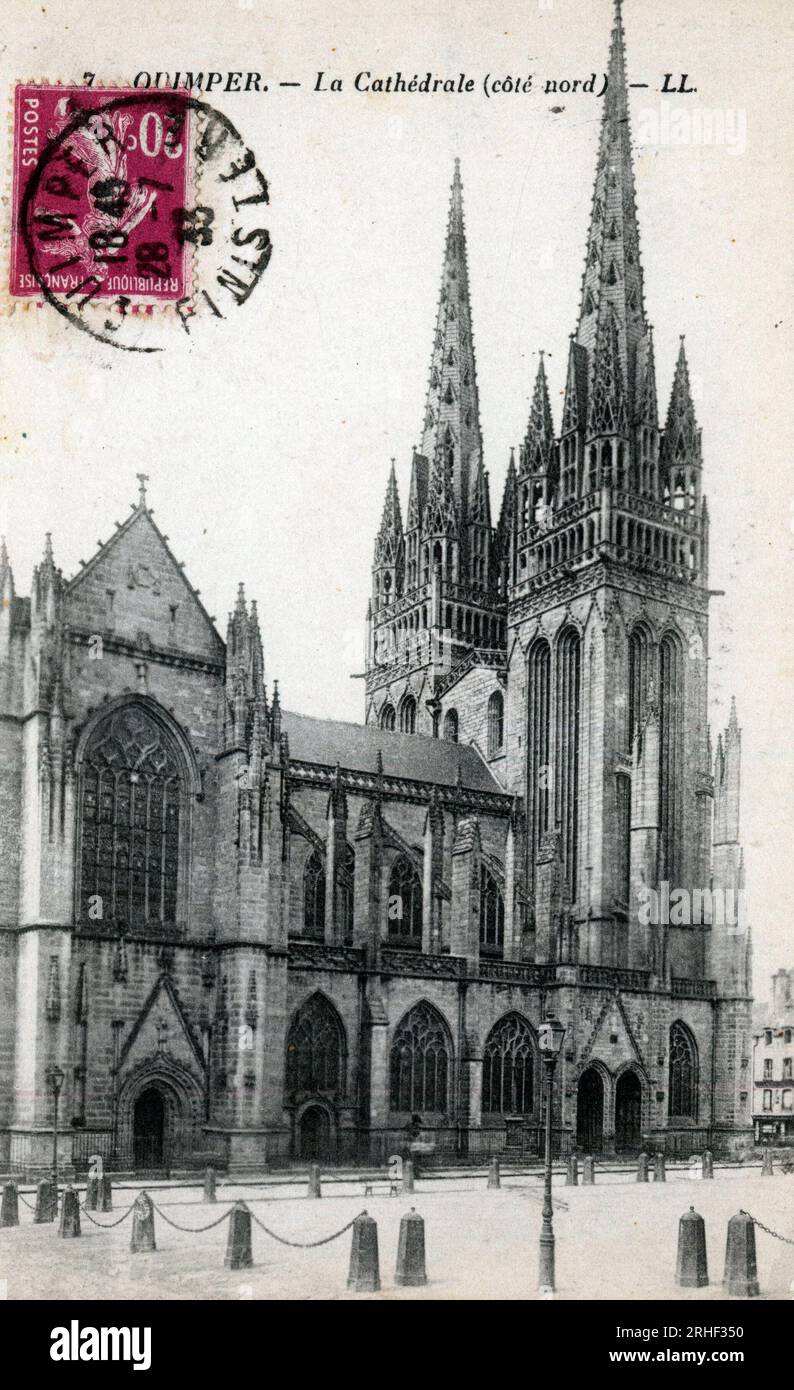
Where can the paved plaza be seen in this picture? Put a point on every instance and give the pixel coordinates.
(616, 1239)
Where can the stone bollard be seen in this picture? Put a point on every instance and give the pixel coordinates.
(588, 1171)
(92, 1194)
(691, 1270)
(708, 1164)
(767, 1165)
(494, 1175)
(659, 1170)
(105, 1196)
(411, 1251)
(70, 1214)
(9, 1208)
(642, 1168)
(142, 1238)
(741, 1272)
(238, 1246)
(408, 1175)
(572, 1174)
(46, 1202)
(315, 1186)
(364, 1275)
(209, 1185)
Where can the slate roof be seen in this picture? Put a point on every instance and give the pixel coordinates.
(356, 747)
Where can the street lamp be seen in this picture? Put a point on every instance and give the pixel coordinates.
(550, 1036)
(55, 1080)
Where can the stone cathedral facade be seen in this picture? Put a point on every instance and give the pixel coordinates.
(249, 934)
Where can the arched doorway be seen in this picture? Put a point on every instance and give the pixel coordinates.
(628, 1113)
(314, 1134)
(149, 1130)
(590, 1111)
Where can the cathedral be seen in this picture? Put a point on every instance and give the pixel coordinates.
(234, 934)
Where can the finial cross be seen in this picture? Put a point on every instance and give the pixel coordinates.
(143, 479)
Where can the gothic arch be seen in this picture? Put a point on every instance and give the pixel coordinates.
(316, 1052)
(388, 718)
(510, 1075)
(183, 1105)
(137, 779)
(314, 896)
(405, 906)
(682, 1073)
(421, 1062)
(408, 715)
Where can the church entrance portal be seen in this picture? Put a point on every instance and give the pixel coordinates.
(149, 1130)
(590, 1112)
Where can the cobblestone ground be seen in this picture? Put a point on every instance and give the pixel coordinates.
(616, 1239)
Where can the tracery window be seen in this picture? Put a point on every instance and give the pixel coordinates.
(496, 723)
(420, 1062)
(405, 903)
(408, 715)
(132, 813)
(388, 718)
(316, 1049)
(346, 882)
(682, 1100)
(492, 914)
(508, 1068)
(451, 726)
(314, 897)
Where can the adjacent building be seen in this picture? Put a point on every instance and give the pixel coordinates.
(773, 1066)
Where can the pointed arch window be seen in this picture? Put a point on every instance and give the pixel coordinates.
(492, 914)
(314, 897)
(508, 1068)
(388, 718)
(451, 726)
(133, 810)
(408, 715)
(539, 692)
(496, 724)
(405, 904)
(682, 1097)
(670, 694)
(420, 1063)
(569, 669)
(346, 886)
(316, 1050)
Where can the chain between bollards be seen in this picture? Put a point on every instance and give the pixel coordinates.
(787, 1240)
(305, 1244)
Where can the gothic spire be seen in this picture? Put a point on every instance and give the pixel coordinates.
(388, 542)
(682, 436)
(607, 413)
(452, 413)
(539, 438)
(647, 403)
(612, 287)
(417, 497)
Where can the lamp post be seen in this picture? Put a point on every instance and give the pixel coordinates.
(55, 1079)
(550, 1038)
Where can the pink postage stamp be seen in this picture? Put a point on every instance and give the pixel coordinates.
(100, 187)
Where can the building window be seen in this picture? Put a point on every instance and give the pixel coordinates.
(567, 767)
(768, 1038)
(346, 884)
(768, 1064)
(683, 1074)
(787, 1036)
(496, 723)
(670, 711)
(508, 1068)
(786, 1100)
(451, 726)
(316, 1050)
(408, 715)
(314, 897)
(131, 821)
(767, 1100)
(388, 719)
(492, 914)
(638, 681)
(405, 903)
(421, 1057)
(539, 682)
(787, 1069)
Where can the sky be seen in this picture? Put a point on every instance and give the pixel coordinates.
(268, 438)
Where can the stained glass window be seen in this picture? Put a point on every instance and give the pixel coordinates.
(492, 914)
(420, 1062)
(508, 1068)
(405, 903)
(683, 1073)
(132, 808)
(314, 897)
(316, 1049)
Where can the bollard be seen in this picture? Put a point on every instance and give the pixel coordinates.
(315, 1187)
(9, 1208)
(142, 1238)
(659, 1170)
(70, 1214)
(46, 1202)
(767, 1165)
(494, 1176)
(209, 1185)
(92, 1194)
(411, 1251)
(105, 1194)
(238, 1246)
(642, 1168)
(708, 1164)
(572, 1175)
(741, 1272)
(408, 1175)
(691, 1270)
(588, 1171)
(364, 1275)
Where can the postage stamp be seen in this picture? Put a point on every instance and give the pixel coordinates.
(126, 204)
